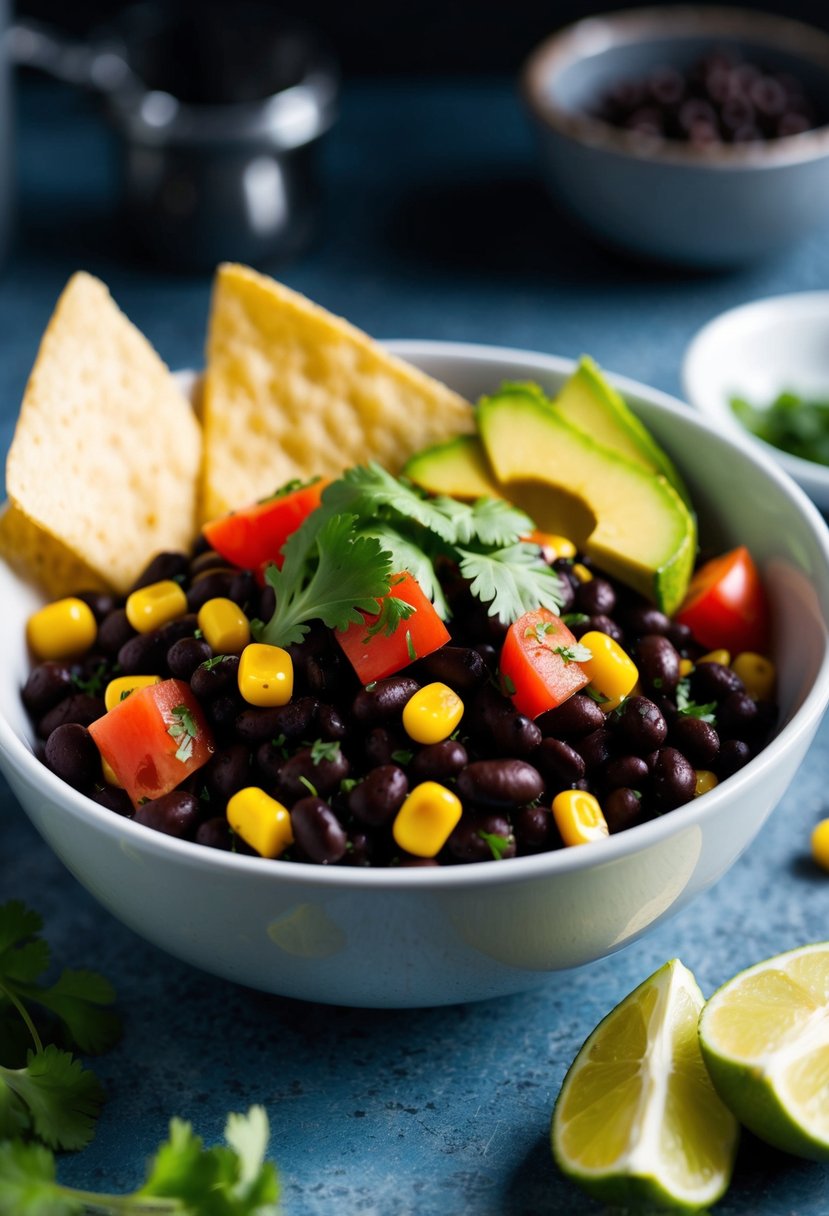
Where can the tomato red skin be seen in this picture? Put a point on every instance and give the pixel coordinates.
(381, 655)
(134, 739)
(533, 676)
(726, 605)
(254, 536)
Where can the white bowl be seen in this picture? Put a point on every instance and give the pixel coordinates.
(757, 351)
(414, 937)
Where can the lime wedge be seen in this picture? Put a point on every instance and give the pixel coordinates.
(637, 1121)
(765, 1040)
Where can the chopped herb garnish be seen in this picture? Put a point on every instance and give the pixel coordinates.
(127, 692)
(410, 646)
(575, 653)
(289, 487)
(347, 784)
(93, 685)
(204, 794)
(197, 634)
(705, 712)
(497, 843)
(209, 664)
(310, 787)
(185, 730)
(539, 631)
(402, 756)
(596, 696)
(371, 687)
(324, 751)
(393, 610)
(507, 684)
(575, 618)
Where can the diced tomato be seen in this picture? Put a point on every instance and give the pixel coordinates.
(537, 671)
(726, 604)
(375, 656)
(154, 739)
(254, 536)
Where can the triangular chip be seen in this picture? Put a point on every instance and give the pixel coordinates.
(104, 464)
(41, 558)
(292, 391)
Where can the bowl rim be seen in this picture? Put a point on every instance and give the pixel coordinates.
(541, 866)
(591, 34)
(803, 471)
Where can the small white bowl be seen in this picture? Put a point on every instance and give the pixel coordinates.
(403, 938)
(758, 351)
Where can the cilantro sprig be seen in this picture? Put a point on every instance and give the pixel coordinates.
(47, 1092)
(184, 730)
(184, 1179)
(338, 565)
(693, 709)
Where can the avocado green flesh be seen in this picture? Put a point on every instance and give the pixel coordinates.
(593, 406)
(643, 532)
(458, 468)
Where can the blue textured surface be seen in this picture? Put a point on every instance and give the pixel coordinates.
(436, 228)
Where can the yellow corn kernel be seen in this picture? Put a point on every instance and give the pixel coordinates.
(119, 689)
(579, 817)
(705, 782)
(581, 572)
(62, 629)
(716, 656)
(685, 668)
(820, 844)
(225, 627)
(432, 713)
(151, 607)
(261, 821)
(757, 673)
(426, 819)
(611, 671)
(555, 547)
(266, 675)
(110, 775)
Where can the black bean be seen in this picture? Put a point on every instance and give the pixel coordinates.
(673, 780)
(697, 740)
(244, 591)
(228, 771)
(317, 831)
(567, 593)
(113, 631)
(296, 720)
(681, 637)
(175, 814)
(737, 716)
(71, 753)
(270, 757)
(515, 735)
(383, 701)
(559, 763)
(173, 566)
(489, 655)
(210, 586)
(622, 809)
(644, 619)
(380, 745)
(327, 674)
(595, 748)
(209, 560)
(330, 724)
(439, 761)
(658, 663)
(734, 754)
(460, 667)
(578, 715)
(222, 711)
(267, 603)
(185, 655)
(500, 783)
(602, 624)
(299, 772)
(380, 795)
(182, 627)
(468, 841)
(113, 799)
(711, 681)
(215, 833)
(144, 655)
(641, 724)
(596, 597)
(80, 708)
(534, 830)
(46, 685)
(221, 677)
(101, 603)
(626, 771)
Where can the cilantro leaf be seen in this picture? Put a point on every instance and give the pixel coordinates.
(577, 653)
(691, 709)
(58, 1098)
(330, 573)
(513, 580)
(94, 684)
(367, 489)
(407, 554)
(324, 751)
(393, 610)
(184, 730)
(28, 1185)
(498, 844)
(494, 522)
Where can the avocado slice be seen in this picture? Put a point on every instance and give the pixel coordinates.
(593, 406)
(458, 468)
(642, 532)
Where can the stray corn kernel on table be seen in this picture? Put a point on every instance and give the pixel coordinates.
(445, 234)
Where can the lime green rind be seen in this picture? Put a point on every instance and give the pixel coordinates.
(591, 404)
(634, 1191)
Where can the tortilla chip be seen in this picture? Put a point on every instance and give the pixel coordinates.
(291, 391)
(41, 558)
(103, 469)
